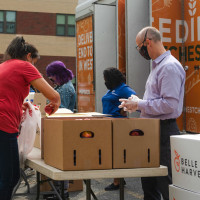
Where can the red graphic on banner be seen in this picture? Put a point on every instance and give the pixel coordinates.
(177, 161)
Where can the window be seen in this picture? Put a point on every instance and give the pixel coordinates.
(7, 22)
(65, 25)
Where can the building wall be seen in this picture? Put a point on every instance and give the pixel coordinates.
(36, 21)
(44, 6)
(46, 45)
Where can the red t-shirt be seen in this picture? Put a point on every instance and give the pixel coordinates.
(15, 78)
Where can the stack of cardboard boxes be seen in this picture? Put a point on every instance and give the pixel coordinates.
(111, 143)
(185, 167)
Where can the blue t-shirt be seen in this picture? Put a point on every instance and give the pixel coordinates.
(111, 101)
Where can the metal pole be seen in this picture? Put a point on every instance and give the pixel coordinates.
(38, 185)
(88, 189)
(91, 192)
(62, 189)
(121, 188)
(25, 179)
(55, 190)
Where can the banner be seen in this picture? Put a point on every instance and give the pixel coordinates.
(121, 54)
(192, 61)
(167, 18)
(85, 82)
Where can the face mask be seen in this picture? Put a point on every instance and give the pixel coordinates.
(144, 52)
(108, 85)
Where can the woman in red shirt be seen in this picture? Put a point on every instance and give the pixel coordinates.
(17, 73)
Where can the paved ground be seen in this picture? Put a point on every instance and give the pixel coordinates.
(133, 190)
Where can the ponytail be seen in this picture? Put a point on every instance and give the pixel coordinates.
(18, 49)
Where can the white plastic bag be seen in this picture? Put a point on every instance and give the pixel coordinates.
(26, 139)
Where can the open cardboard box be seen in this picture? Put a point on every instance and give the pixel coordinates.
(60, 113)
(64, 116)
(39, 100)
(66, 148)
(136, 143)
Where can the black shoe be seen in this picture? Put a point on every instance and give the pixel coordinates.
(66, 195)
(111, 187)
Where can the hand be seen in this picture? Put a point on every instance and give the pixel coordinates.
(25, 106)
(48, 109)
(51, 108)
(128, 105)
(134, 98)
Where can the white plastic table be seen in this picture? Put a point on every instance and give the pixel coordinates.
(35, 162)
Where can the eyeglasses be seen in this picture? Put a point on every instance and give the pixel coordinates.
(53, 81)
(145, 37)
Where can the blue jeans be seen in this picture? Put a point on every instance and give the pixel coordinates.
(9, 164)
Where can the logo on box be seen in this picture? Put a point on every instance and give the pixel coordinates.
(186, 166)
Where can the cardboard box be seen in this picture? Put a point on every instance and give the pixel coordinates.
(37, 139)
(39, 100)
(186, 161)
(74, 185)
(176, 193)
(65, 149)
(63, 114)
(44, 186)
(136, 151)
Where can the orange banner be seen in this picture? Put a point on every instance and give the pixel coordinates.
(85, 82)
(121, 37)
(192, 58)
(182, 34)
(167, 18)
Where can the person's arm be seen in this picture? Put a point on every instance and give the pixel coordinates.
(52, 95)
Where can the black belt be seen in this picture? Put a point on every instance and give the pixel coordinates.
(168, 120)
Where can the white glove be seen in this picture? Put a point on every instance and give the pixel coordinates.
(134, 98)
(129, 104)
